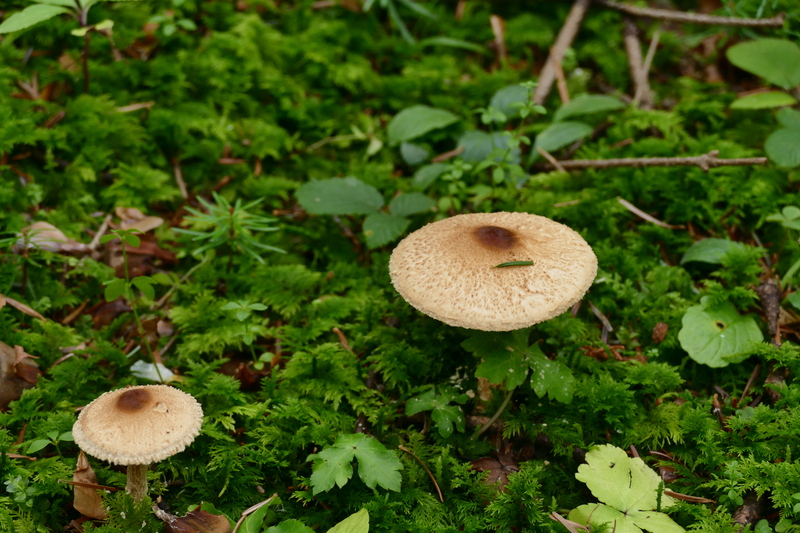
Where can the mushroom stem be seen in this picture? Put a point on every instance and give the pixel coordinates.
(137, 482)
(494, 418)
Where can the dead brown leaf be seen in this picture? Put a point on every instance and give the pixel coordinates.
(197, 521)
(88, 500)
(19, 306)
(499, 469)
(17, 373)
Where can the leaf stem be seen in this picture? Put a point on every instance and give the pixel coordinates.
(494, 418)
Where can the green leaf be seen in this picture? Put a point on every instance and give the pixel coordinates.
(115, 289)
(416, 121)
(551, 377)
(413, 154)
(510, 99)
(514, 264)
(255, 520)
(355, 523)
(108, 238)
(629, 490)
(145, 284)
(775, 60)
(37, 445)
(290, 526)
(782, 147)
(339, 196)
(29, 16)
(789, 217)
(587, 104)
(427, 175)
(479, 145)
(331, 466)
(381, 228)
(66, 437)
(454, 43)
(446, 417)
(764, 100)
(788, 117)
(717, 335)
(794, 299)
(376, 465)
(709, 250)
(131, 240)
(559, 135)
(505, 355)
(410, 203)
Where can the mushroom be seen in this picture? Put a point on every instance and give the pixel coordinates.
(453, 270)
(137, 426)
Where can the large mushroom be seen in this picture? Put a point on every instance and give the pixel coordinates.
(138, 426)
(493, 271)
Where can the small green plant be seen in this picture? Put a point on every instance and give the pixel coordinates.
(46, 9)
(446, 416)
(391, 7)
(53, 437)
(376, 464)
(229, 225)
(169, 21)
(243, 310)
(124, 287)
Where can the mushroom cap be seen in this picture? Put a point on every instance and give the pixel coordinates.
(446, 270)
(138, 425)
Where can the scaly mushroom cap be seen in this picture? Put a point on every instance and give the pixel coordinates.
(138, 425)
(447, 270)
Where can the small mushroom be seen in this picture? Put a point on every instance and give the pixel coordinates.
(493, 271)
(137, 426)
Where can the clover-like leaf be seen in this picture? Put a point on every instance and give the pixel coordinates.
(789, 217)
(505, 356)
(447, 417)
(717, 335)
(629, 491)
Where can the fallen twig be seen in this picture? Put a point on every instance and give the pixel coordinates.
(642, 94)
(644, 216)
(692, 18)
(563, 41)
(705, 162)
(428, 470)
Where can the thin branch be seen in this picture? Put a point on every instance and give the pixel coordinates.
(691, 18)
(644, 216)
(642, 94)
(553, 161)
(563, 41)
(428, 470)
(705, 162)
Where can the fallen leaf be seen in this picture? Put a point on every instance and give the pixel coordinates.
(19, 306)
(197, 521)
(88, 500)
(46, 236)
(29, 371)
(11, 371)
(499, 469)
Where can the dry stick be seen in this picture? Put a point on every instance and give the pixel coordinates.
(430, 474)
(644, 216)
(705, 161)
(563, 41)
(553, 161)
(100, 232)
(176, 167)
(692, 18)
(643, 95)
(561, 83)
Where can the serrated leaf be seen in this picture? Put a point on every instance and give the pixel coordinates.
(509, 99)
(376, 465)
(427, 175)
(410, 203)
(355, 523)
(717, 335)
(339, 196)
(504, 354)
(145, 284)
(381, 228)
(559, 135)
(416, 121)
(628, 489)
(29, 16)
(114, 289)
(775, 60)
(764, 100)
(290, 526)
(446, 417)
(783, 147)
(553, 378)
(587, 104)
(331, 467)
(710, 250)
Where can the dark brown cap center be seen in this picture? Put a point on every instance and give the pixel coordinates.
(494, 237)
(133, 400)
